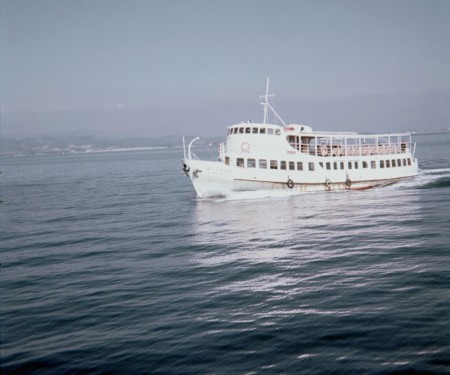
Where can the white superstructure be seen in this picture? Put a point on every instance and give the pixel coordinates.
(263, 156)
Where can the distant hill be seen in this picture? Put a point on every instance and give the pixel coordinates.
(73, 144)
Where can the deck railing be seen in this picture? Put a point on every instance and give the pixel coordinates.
(351, 150)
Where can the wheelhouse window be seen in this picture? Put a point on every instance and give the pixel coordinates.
(240, 162)
(270, 131)
(255, 130)
(251, 163)
(263, 163)
(241, 130)
(262, 130)
(248, 130)
(235, 130)
(277, 132)
(273, 164)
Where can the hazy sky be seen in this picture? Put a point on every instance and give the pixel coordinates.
(194, 67)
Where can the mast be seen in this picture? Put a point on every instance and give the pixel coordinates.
(266, 100)
(267, 106)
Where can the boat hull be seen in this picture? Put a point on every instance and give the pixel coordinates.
(215, 179)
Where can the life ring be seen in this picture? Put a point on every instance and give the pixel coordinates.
(348, 182)
(290, 184)
(327, 184)
(245, 147)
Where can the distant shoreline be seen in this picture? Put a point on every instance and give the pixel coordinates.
(431, 133)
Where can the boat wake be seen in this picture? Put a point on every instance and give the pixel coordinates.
(435, 178)
(426, 179)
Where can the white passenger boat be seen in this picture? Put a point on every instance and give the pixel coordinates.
(264, 156)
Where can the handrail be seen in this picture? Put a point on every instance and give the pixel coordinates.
(189, 155)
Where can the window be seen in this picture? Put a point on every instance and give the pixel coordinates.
(241, 130)
(409, 161)
(328, 165)
(291, 166)
(262, 131)
(321, 164)
(381, 163)
(399, 162)
(300, 166)
(388, 164)
(269, 131)
(277, 132)
(335, 165)
(227, 160)
(356, 165)
(255, 130)
(251, 163)
(263, 163)
(240, 162)
(393, 163)
(273, 164)
(283, 165)
(311, 166)
(350, 165)
(373, 165)
(364, 164)
(342, 165)
(248, 130)
(235, 130)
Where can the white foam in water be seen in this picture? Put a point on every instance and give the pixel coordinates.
(424, 177)
(435, 171)
(260, 194)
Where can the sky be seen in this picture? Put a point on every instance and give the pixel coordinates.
(194, 67)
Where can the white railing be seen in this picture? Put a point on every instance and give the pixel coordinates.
(351, 150)
(189, 154)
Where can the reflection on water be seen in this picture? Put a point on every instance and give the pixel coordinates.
(305, 227)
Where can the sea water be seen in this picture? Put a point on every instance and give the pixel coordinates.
(110, 264)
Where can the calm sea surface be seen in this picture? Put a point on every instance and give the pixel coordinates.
(109, 264)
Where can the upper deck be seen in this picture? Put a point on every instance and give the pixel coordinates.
(302, 138)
